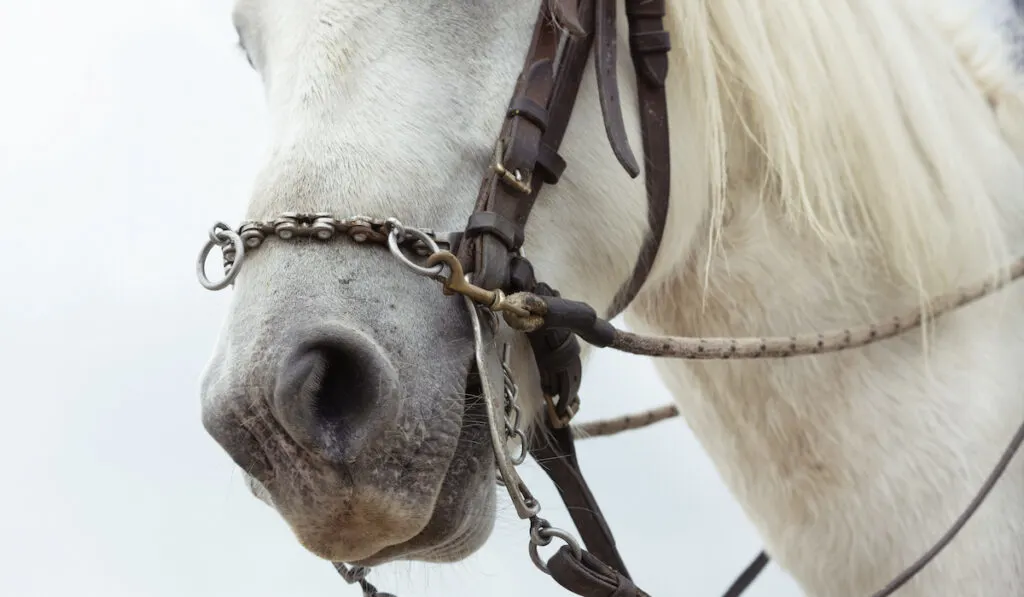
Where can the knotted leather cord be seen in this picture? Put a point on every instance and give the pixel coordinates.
(611, 426)
(583, 320)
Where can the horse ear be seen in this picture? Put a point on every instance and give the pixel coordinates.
(566, 16)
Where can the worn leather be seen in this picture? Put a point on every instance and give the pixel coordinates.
(746, 578)
(566, 14)
(483, 253)
(556, 349)
(555, 452)
(649, 47)
(588, 576)
(538, 115)
(605, 51)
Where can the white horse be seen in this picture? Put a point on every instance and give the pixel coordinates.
(833, 163)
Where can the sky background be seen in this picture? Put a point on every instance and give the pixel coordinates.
(126, 129)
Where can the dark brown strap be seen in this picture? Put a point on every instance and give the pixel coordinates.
(601, 572)
(649, 47)
(608, 85)
(536, 121)
(555, 451)
(566, 14)
(484, 251)
(588, 576)
(747, 577)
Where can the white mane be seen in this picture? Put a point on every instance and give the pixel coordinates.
(860, 156)
(882, 128)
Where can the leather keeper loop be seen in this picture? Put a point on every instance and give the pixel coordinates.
(651, 42)
(525, 107)
(550, 165)
(521, 276)
(638, 9)
(510, 234)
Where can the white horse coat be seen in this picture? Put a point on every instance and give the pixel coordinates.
(834, 163)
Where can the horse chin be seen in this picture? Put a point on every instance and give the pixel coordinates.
(459, 521)
(465, 509)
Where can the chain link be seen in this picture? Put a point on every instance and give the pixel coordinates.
(391, 232)
(325, 227)
(357, 575)
(541, 535)
(513, 414)
(234, 244)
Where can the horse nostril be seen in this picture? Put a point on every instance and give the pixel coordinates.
(345, 390)
(335, 393)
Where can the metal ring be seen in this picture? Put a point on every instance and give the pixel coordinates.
(395, 224)
(218, 234)
(541, 536)
(523, 451)
(430, 272)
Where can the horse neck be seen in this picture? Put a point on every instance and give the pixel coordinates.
(782, 171)
(794, 240)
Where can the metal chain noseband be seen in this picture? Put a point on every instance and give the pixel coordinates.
(318, 226)
(525, 311)
(396, 236)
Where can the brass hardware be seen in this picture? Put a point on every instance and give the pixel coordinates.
(456, 283)
(559, 422)
(514, 178)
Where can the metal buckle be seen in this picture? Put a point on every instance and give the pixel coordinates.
(560, 422)
(514, 178)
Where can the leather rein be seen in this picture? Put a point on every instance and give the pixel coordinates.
(489, 249)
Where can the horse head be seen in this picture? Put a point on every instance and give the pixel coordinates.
(345, 385)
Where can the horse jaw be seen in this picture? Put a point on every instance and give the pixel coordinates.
(392, 109)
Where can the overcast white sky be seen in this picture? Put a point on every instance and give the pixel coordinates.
(126, 129)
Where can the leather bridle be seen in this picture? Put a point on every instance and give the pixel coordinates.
(489, 249)
(527, 158)
(526, 153)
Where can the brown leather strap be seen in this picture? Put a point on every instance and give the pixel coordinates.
(508, 194)
(555, 452)
(539, 114)
(747, 577)
(527, 155)
(588, 576)
(608, 86)
(649, 47)
(566, 13)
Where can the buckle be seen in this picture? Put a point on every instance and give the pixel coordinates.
(561, 421)
(514, 178)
